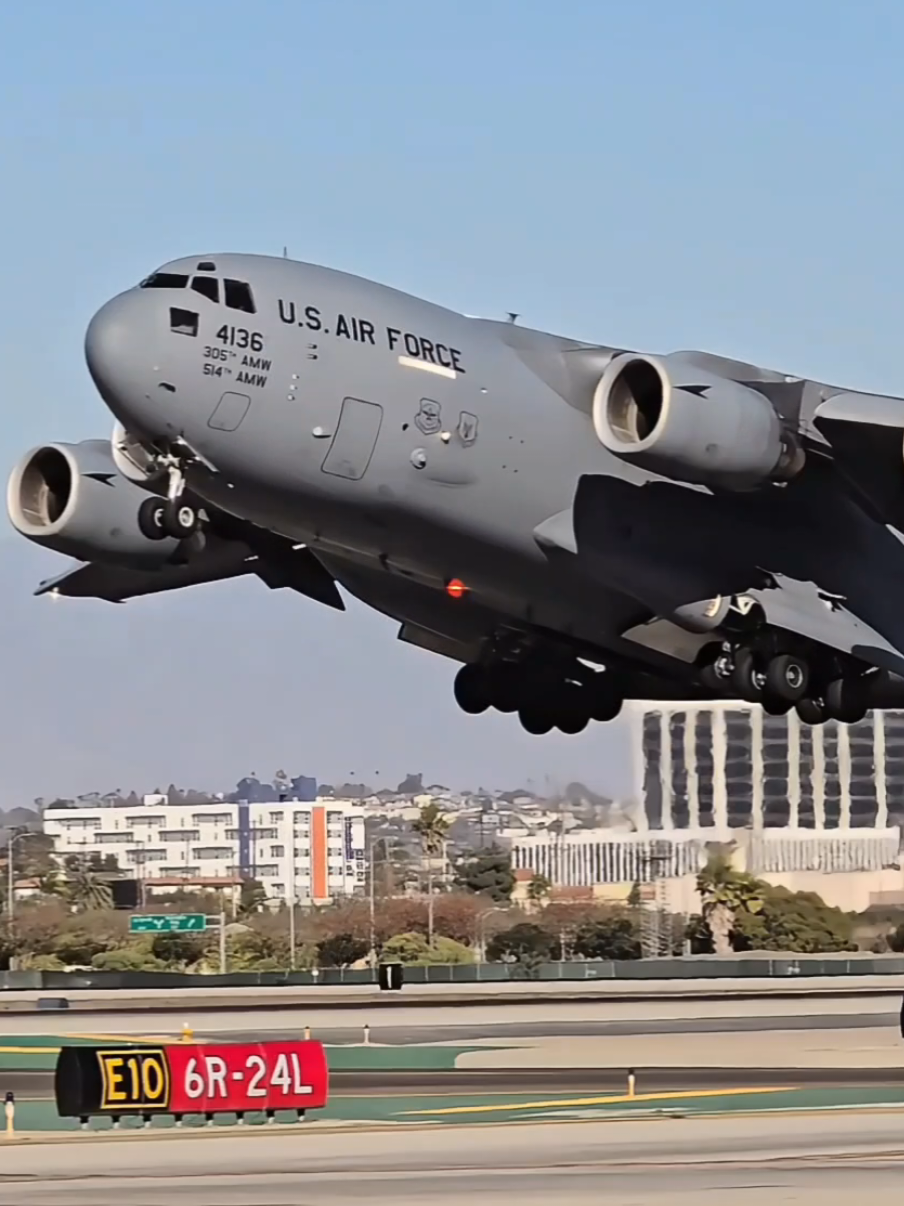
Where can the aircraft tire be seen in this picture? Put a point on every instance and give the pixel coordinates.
(846, 700)
(787, 677)
(812, 711)
(774, 706)
(180, 520)
(746, 678)
(536, 719)
(470, 690)
(605, 700)
(506, 688)
(572, 711)
(150, 519)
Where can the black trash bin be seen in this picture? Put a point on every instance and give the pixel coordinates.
(390, 975)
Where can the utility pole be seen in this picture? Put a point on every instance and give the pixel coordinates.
(11, 885)
(292, 902)
(374, 842)
(222, 944)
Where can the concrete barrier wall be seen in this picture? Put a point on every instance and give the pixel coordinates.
(782, 968)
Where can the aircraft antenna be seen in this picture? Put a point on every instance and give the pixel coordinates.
(512, 317)
(285, 253)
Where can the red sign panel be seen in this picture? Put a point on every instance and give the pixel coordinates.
(210, 1078)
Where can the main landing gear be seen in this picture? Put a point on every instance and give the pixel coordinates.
(543, 698)
(815, 685)
(159, 518)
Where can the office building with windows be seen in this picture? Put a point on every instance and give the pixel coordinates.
(726, 765)
(312, 851)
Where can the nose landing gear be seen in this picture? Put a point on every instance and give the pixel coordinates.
(159, 518)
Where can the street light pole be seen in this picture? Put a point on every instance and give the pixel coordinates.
(374, 842)
(11, 887)
(481, 930)
(292, 903)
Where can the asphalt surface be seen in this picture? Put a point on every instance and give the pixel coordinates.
(829, 1159)
(36, 1086)
(401, 1035)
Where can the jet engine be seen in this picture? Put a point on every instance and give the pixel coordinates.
(674, 419)
(70, 498)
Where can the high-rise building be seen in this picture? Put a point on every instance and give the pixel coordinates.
(727, 765)
(313, 851)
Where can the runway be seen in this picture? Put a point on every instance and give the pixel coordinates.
(825, 1160)
(401, 1023)
(38, 1086)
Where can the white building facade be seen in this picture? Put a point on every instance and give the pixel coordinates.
(726, 765)
(312, 851)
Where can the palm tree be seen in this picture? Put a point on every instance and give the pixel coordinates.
(725, 893)
(538, 889)
(432, 828)
(86, 890)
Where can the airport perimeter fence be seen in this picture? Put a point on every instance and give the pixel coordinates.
(694, 968)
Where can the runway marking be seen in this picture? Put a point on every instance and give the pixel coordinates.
(593, 1101)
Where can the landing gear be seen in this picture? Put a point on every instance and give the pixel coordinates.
(545, 697)
(818, 687)
(150, 519)
(471, 690)
(159, 518)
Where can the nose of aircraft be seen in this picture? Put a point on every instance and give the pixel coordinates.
(119, 349)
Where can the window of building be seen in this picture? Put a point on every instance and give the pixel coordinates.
(276, 818)
(277, 851)
(206, 853)
(178, 835)
(211, 818)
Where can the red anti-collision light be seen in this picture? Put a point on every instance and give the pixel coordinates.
(456, 588)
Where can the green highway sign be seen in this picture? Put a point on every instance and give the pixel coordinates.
(167, 923)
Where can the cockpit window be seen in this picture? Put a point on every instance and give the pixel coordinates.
(207, 286)
(238, 296)
(165, 280)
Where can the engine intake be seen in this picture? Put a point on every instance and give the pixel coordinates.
(672, 418)
(70, 498)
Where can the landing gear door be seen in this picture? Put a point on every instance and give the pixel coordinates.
(354, 440)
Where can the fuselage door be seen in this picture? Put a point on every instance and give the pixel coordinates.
(354, 440)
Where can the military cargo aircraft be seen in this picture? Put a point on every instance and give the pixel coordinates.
(575, 524)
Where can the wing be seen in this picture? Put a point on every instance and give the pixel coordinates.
(237, 550)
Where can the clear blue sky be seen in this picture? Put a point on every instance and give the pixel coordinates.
(657, 174)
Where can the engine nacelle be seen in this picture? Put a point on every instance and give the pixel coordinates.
(70, 498)
(674, 419)
(134, 461)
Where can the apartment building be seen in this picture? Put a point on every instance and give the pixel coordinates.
(312, 851)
